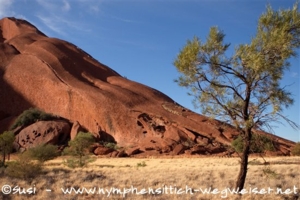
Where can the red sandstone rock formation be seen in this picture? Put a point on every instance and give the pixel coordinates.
(43, 132)
(60, 78)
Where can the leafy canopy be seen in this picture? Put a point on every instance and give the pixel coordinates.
(243, 89)
(80, 143)
(6, 144)
(7, 139)
(79, 148)
(259, 143)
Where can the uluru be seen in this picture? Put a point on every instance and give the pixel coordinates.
(60, 78)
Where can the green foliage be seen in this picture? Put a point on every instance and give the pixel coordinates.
(74, 163)
(244, 88)
(238, 144)
(43, 152)
(141, 164)
(296, 149)
(110, 145)
(6, 145)
(31, 116)
(79, 148)
(80, 143)
(258, 144)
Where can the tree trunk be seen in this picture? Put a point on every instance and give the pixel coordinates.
(3, 158)
(244, 160)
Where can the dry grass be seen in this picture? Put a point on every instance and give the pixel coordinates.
(220, 173)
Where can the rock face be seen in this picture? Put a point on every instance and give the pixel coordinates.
(43, 132)
(101, 150)
(60, 78)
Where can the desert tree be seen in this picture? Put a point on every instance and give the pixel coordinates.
(243, 89)
(6, 144)
(79, 147)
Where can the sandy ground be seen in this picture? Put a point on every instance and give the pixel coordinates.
(160, 178)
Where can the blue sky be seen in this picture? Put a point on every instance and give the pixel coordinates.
(141, 38)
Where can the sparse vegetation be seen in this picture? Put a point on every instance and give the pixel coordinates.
(270, 173)
(23, 168)
(75, 163)
(31, 116)
(141, 164)
(170, 110)
(296, 149)
(43, 152)
(218, 173)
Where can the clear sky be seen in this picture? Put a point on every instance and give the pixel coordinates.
(140, 39)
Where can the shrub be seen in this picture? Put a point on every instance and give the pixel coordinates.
(296, 149)
(78, 147)
(74, 163)
(22, 169)
(142, 164)
(259, 143)
(43, 152)
(6, 145)
(31, 116)
(110, 145)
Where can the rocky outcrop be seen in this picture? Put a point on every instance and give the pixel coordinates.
(101, 150)
(76, 128)
(64, 80)
(43, 132)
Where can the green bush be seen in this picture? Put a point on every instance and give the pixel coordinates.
(142, 164)
(110, 145)
(79, 148)
(259, 143)
(31, 116)
(296, 149)
(74, 163)
(43, 152)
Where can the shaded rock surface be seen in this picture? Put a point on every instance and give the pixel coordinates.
(101, 150)
(43, 132)
(64, 80)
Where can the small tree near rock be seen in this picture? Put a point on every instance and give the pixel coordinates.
(79, 148)
(243, 88)
(6, 144)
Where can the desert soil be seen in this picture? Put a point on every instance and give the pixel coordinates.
(161, 178)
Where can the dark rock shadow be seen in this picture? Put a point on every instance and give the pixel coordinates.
(12, 103)
(106, 137)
